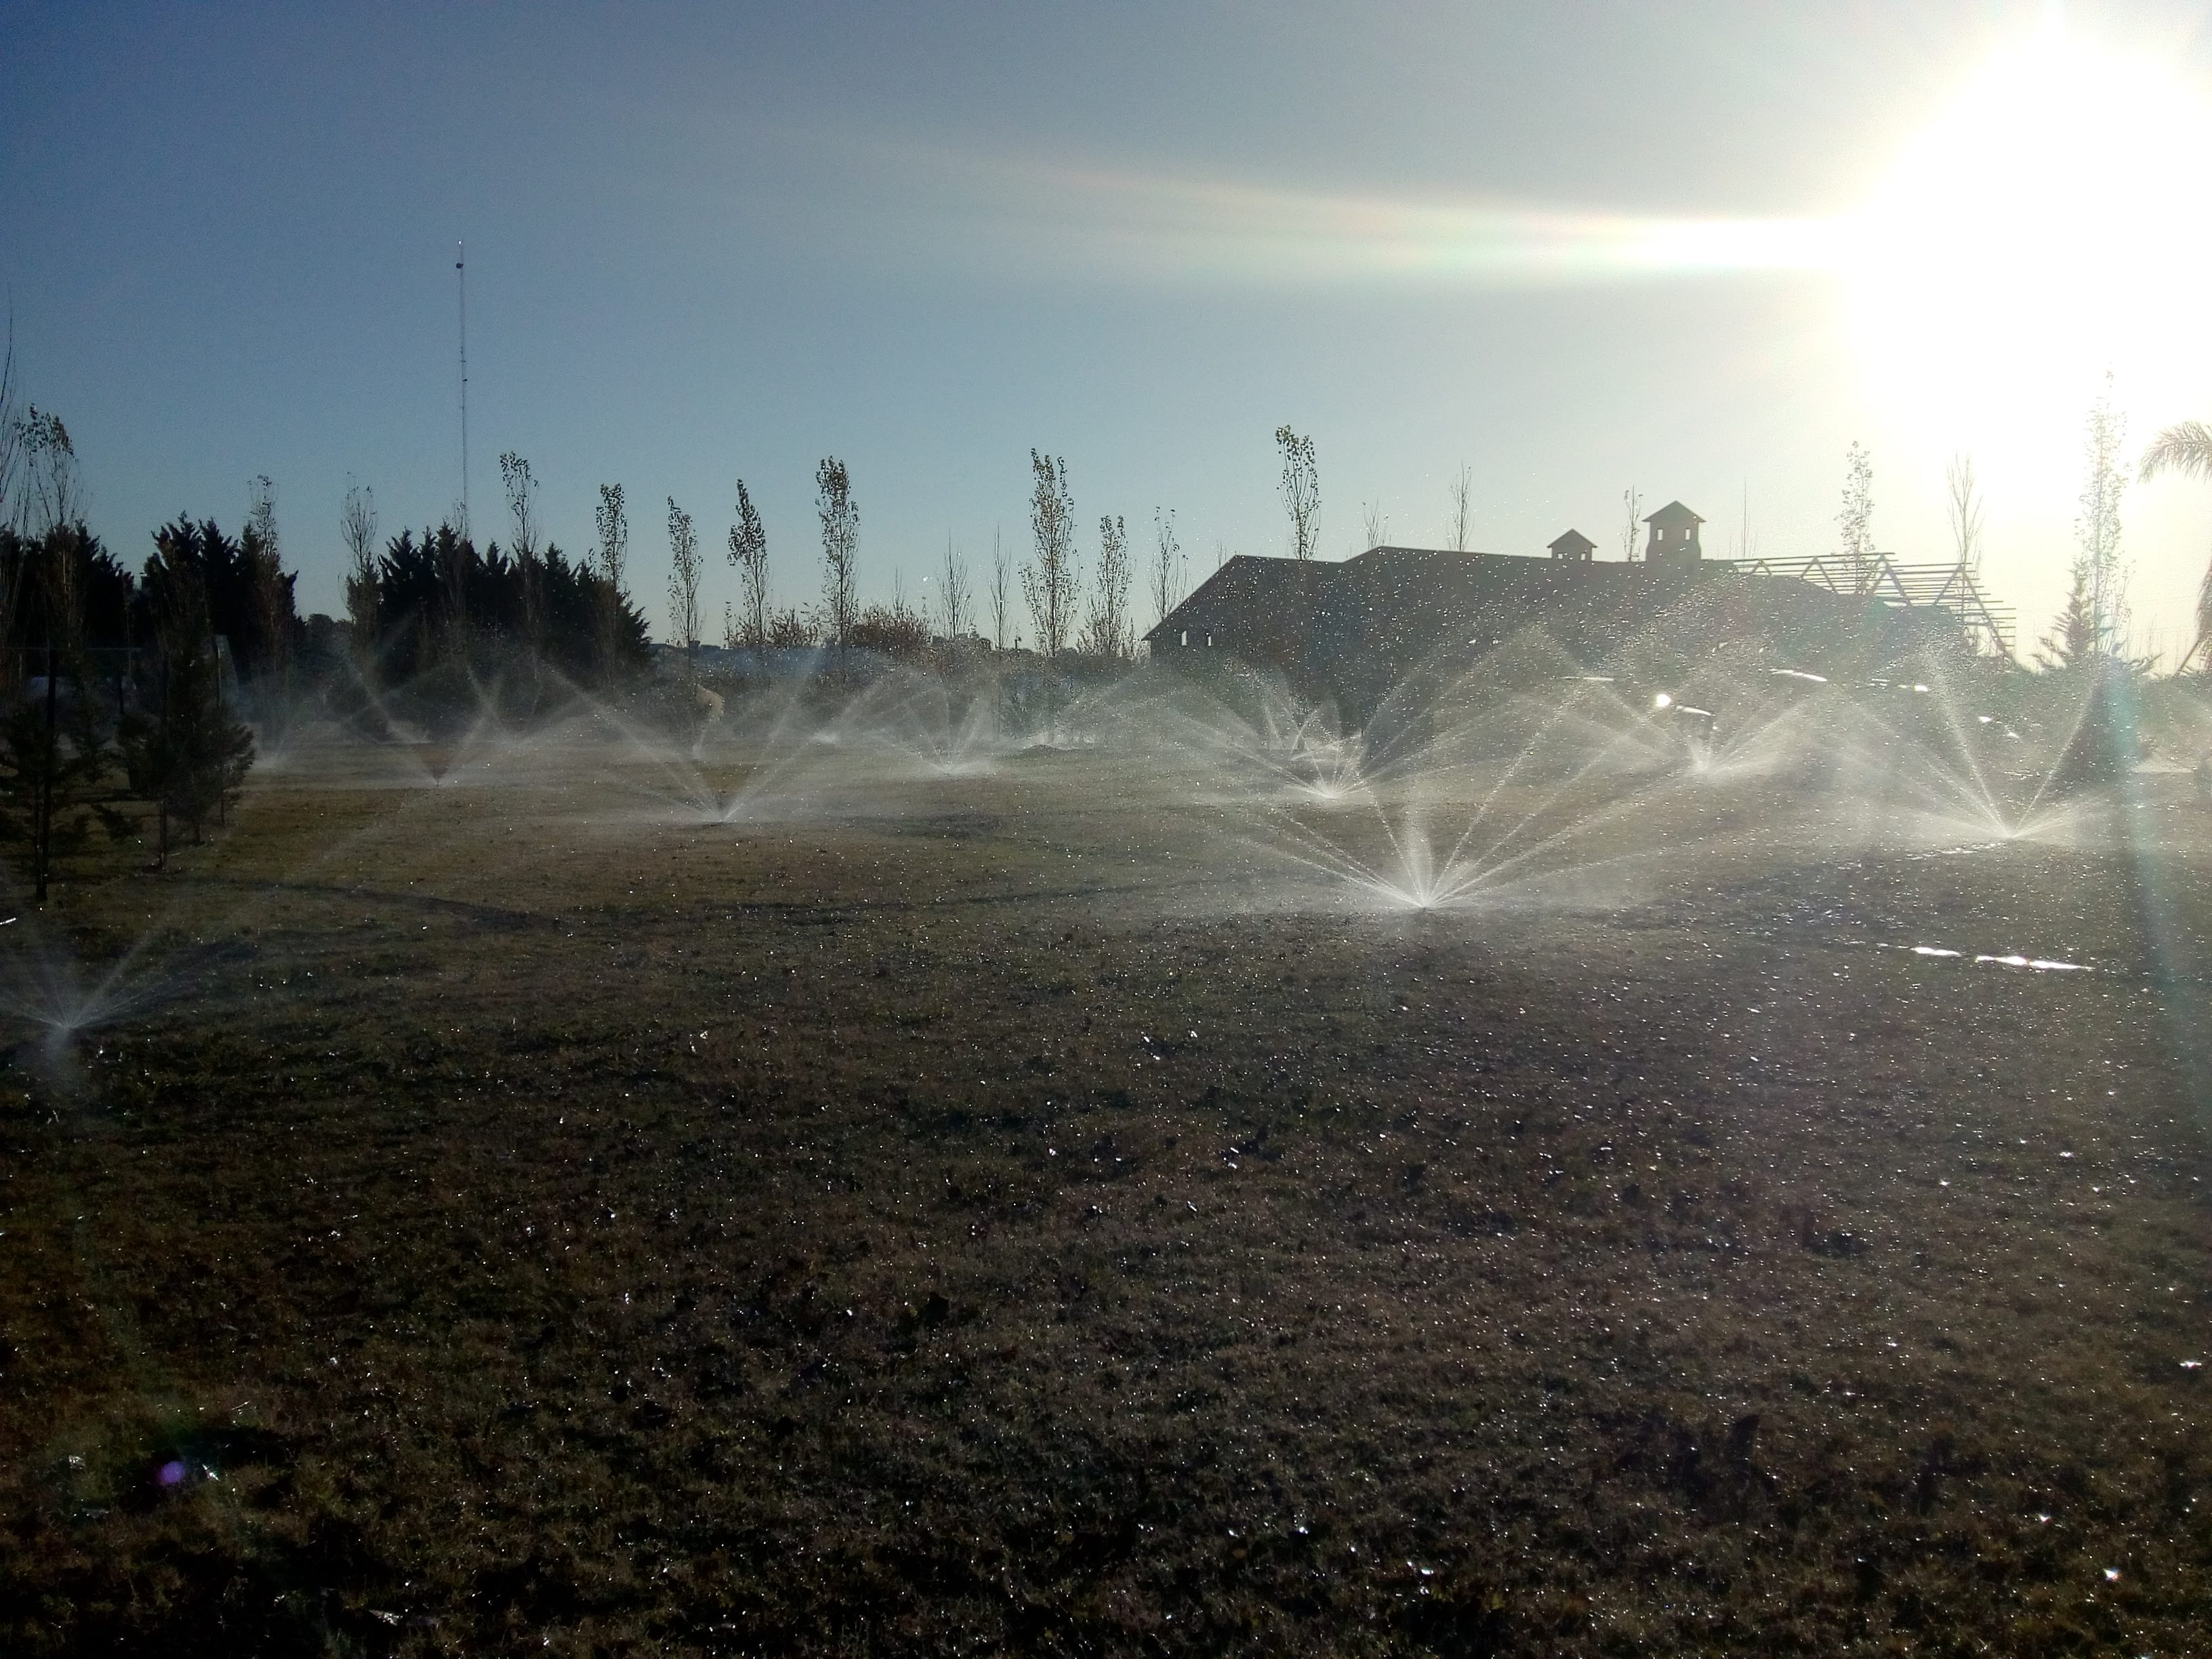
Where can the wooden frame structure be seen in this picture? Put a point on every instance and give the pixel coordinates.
(1879, 576)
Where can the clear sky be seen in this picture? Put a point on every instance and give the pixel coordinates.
(1695, 249)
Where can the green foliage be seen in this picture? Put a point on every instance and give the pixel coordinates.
(187, 755)
(1050, 580)
(1301, 486)
(683, 570)
(749, 558)
(2072, 639)
(183, 750)
(54, 767)
(896, 630)
(88, 582)
(54, 759)
(247, 595)
(425, 585)
(1106, 632)
(2186, 448)
(841, 547)
(1854, 519)
(2098, 528)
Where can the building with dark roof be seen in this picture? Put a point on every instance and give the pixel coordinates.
(1353, 630)
(1673, 537)
(1573, 546)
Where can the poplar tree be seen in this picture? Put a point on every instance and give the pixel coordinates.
(1301, 488)
(682, 580)
(521, 490)
(1001, 590)
(612, 519)
(1050, 580)
(954, 593)
(357, 530)
(1854, 519)
(1108, 630)
(840, 548)
(1462, 494)
(748, 557)
(1167, 565)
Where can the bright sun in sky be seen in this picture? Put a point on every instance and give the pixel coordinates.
(2053, 224)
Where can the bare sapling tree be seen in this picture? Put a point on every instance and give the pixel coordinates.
(952, 595)
(841, 550)
(684, 563)
(1457, 523)
(1854, 519)
(1301, 487)
(2185, 447)
(11, 435)
(1375, 524)
(11, 452)
(49, 493)
(1001, 589)
(611, 518)
(272, 607)
(1167, 565)
(1050, 580)
(2097, 530)
(1964, 500)
(1106, 632)
(357, 530)
(521, 492)
(749, 558)
(1632, 502)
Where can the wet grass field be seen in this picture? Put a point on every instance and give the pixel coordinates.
(499, 1206)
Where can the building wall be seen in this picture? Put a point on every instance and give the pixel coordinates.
(1352, 631)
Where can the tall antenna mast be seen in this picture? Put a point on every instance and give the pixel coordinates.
(461, 275)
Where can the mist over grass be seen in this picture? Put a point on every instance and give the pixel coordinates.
(1132, 1167)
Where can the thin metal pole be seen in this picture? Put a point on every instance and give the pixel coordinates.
(461, 275)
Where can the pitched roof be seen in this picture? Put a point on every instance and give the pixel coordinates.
(1574, 542)
(1673, 512)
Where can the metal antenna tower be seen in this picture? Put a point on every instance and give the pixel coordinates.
(461, 275)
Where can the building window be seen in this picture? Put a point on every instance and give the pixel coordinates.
(1185, 637)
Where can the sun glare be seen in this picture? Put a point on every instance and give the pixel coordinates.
(2051, 226)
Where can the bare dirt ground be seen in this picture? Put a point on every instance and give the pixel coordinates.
(1050, 1211)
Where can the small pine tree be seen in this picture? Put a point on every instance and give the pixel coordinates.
(188, 757)
(54, 757)
(2072, 639)
(183, 750)
(53, 763)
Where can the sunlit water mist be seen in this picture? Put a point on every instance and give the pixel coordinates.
(1517, 780)
(1929, 760)
(47, 988)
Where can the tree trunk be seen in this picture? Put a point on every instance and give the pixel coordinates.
(42, 812)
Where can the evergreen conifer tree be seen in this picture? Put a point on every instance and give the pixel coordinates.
(183, 752)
